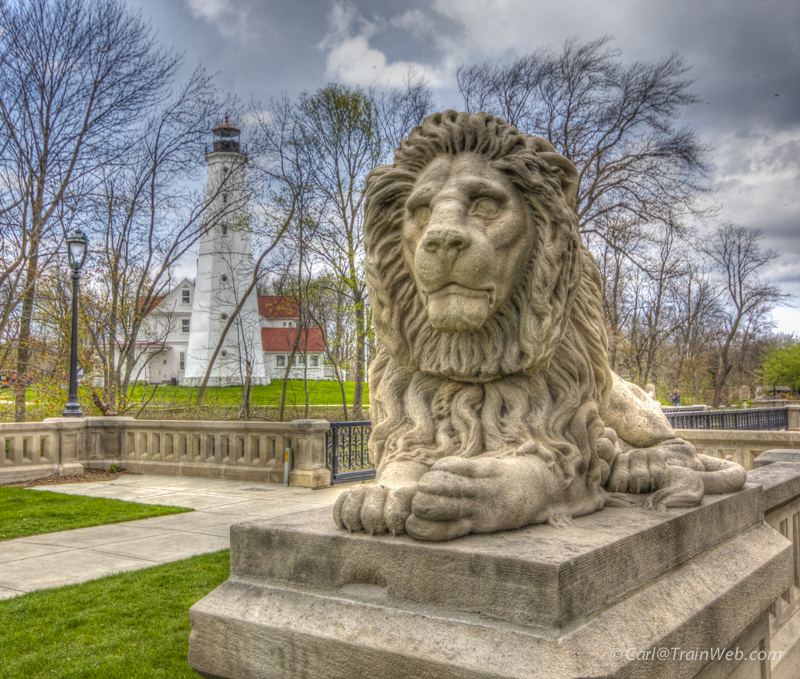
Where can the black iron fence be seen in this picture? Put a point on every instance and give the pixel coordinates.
(765, 419)
(348, 457)
(346, 450)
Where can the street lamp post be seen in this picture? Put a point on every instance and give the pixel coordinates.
(77, 244)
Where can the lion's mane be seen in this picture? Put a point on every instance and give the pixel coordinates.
(531, 380)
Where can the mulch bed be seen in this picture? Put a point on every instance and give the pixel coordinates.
(88, 476)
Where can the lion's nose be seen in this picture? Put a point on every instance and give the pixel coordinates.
(445, 242)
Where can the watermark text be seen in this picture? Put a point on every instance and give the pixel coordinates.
(683, 654)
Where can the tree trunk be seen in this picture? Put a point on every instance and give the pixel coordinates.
(305, 370)
(26, 316)
(358, 376)
(286, 375)
(722, 375)
(246, 387)
(344, 394)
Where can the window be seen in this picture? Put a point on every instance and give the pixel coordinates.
(186, 296)
(185, 325)
(223, 353)
(182, 360)
(224, 317)
(300, 359)
(314, 361)
(280, 361)
(224, 278)
(224, 229)
(224, 198)
(288, 324)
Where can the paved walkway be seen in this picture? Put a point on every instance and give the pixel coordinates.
(69, 557)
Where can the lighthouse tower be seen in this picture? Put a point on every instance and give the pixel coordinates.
(224, 272)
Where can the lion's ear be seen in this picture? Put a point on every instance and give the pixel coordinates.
(567, 174)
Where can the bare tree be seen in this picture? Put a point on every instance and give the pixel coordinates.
(341, 140)
(694, 298)
(401, 108)
(745, 299)
(615, 122)
(147, 214)
(75, 75)
(507, 90)
(328, 308)
(656, 319)
(344, 133)
(616, 255)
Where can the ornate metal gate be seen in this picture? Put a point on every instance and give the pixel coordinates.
(346, 449)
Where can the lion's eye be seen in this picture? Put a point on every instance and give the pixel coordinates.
(485, 207)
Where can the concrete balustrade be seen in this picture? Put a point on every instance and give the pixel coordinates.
(30, 450)
(249, 451)
(742, 446)
(778, 473)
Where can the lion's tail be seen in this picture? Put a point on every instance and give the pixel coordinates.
(721, 476)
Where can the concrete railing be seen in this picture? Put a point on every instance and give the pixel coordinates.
(741, 446)
(778, 472)
(248, 451)
(31, 450)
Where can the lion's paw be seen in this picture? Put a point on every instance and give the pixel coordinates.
(637, 471)
(679, 487)
(374, 509)
(459, 496)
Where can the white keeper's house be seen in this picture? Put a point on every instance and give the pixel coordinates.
(183, 327)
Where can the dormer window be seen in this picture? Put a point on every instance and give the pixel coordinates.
(186, 296)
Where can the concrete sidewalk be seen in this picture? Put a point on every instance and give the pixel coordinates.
(69, 557)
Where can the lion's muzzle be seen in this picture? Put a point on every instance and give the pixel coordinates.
(456, 308)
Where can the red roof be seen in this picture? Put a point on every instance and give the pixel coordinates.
(277, 307)
(282, 339)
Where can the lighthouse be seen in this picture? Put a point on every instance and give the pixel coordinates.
(224, 272)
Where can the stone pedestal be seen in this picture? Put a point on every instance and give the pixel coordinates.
(622, 593)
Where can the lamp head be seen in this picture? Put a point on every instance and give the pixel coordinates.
(77, 245)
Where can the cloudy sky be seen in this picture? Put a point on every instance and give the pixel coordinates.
(745, 58)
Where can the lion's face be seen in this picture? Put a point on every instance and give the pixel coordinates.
(466, 238)
(474, 258)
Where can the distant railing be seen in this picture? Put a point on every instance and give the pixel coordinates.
(685, 409)
(346, 451)
(763, 419)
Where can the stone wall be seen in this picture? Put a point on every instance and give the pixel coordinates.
(251, 451)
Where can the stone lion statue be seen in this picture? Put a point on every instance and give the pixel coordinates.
(493, 405)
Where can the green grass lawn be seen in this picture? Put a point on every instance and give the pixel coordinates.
(320, 393)
(32, 512)
(126, 626)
